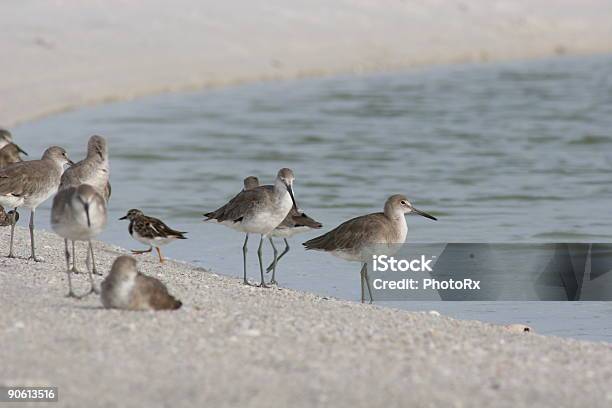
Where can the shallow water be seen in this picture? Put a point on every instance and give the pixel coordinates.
(516, 151)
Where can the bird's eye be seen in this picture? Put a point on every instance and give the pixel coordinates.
(404, 203)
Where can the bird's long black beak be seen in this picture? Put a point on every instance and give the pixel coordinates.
(123, 218)
(86, 205)
(20, 150)
(424, 214)
(290, 190)
(70, 162)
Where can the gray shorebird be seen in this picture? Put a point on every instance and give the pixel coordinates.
(354, 239)
(78, 214)
(30, 183)
(9, 154)
(295, 222)
(93, 170)
(126, 288)
(150, 231)
(5, 137)
(258, 211)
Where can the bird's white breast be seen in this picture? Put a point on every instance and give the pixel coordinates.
(120, 294)
(10, 201)
(265, 221)
(155, 242)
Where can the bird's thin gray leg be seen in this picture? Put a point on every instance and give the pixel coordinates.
(33, 256)
(274, 262)
(92, 289)
(68, 271)
(269, 268)
(259, 255)
(13, 223)
(74, 259)
(362, 284)
(93, 260)
(88, 259)
(245, 249)
(367, 279)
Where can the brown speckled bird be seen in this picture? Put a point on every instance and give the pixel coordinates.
(8, 218)
(150, 231)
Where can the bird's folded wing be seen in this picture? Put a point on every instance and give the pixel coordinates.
(349, 235)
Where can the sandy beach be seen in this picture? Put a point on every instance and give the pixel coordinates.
(232, 345)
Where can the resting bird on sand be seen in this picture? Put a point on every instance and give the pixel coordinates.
(126, 288)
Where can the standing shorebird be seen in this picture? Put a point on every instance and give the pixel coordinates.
(8, 218)
(150, 231)
(78, 214)
(93, 170)
(9, 154)
(30, 183)
(294, 223)
(259, 211)
(5, 137)
(354, 239)
(126, 288)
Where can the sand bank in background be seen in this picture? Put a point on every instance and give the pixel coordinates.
(63, 54)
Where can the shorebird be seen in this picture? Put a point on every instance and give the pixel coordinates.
(9, 154)
(259, 211)
(250, 183)
(150, 231)
(354, 239)
(8, 218)
(5, 137)
(93, 170)
(28, 184)
(126, 288)
(78, 214)
(294, 223)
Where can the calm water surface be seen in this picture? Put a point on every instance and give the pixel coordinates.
(516, 151)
